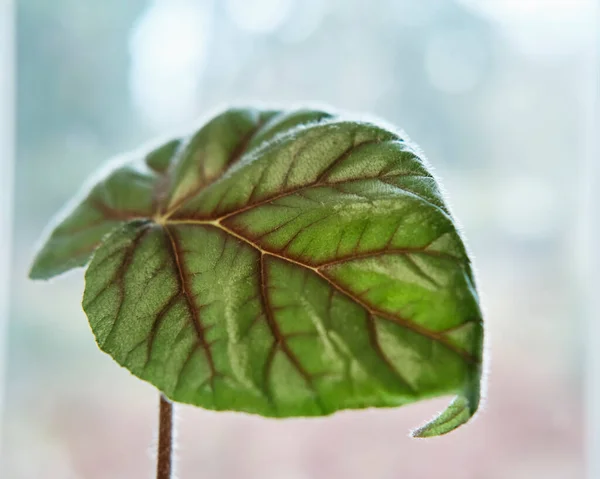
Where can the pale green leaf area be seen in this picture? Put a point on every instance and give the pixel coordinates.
(279, 263)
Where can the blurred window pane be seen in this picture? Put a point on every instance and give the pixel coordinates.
(492, 92)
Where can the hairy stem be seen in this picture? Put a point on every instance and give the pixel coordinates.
(165, 439)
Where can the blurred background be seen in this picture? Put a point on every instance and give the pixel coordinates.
(495, 92)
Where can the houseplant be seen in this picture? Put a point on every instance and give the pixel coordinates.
(280, 263)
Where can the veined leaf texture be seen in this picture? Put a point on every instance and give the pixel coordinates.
(281, 263)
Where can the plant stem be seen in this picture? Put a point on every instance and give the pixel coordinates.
(165, 439)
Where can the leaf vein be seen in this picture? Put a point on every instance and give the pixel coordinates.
(184, 289)
(280, 340)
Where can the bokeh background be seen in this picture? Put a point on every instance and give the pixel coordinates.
(493, 91)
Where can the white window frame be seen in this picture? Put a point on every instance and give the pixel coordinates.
(7, 149)
(589, 234)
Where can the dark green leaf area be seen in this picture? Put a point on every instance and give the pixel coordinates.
(125, 193)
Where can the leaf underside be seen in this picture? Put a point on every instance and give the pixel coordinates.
(279, 263)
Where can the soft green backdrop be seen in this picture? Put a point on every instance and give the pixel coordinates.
(495, 102)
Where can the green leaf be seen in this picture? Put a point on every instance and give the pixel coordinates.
(283, 264)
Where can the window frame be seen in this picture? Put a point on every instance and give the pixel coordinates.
(588, 232)
(7, 150)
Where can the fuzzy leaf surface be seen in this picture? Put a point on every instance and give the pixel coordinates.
(279, 263)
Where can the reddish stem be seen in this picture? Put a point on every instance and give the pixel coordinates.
(165, 439)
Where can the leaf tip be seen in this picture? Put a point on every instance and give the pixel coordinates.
(38, 270)
(36, 273)
(460, 411)
(45, 265)
(456, 414)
